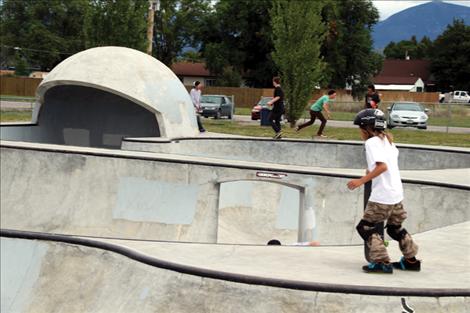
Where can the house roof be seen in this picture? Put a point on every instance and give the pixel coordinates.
(191, 69)
(403, 72)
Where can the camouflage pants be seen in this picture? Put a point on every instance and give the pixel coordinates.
(394, 214)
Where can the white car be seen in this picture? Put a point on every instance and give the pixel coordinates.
(407, 114)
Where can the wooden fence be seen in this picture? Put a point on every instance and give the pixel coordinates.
(243, 97)
(19, 86)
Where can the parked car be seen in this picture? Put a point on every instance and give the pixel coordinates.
(407, 114)
(262, 104)
(216, 106)
(458, 96)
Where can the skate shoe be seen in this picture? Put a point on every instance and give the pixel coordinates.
(297, 129)
(278, 135)
(406, 265)
(380, 268)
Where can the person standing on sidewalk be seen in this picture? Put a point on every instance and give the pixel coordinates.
(316, 111)
(372, 98)
(385, 202)
(195, 94)
(278, 108)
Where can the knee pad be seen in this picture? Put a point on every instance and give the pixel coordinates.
(396, 232)
(366, 229)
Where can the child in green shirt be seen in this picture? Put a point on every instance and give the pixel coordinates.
(316, 111)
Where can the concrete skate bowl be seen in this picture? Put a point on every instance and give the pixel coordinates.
(324, 154)
(139, 232)
(147, 195)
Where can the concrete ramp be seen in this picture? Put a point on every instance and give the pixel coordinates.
(144, 195)
(69, 274)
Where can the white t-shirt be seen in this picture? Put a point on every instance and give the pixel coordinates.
(196, 97)
(387, 187)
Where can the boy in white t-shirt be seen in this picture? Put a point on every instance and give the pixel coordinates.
(385, 202)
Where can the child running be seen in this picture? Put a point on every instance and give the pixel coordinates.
(316, 111)
(385, 202)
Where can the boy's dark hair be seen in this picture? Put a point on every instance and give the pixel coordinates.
(197, 83)
(331, 91)
(277, 79)
(274, 242)
(372, 87)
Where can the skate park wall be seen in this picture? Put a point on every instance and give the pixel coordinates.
(329, 154)
(69, 277)
(101, 192)
(84, 116)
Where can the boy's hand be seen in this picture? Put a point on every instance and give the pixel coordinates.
(354, 183)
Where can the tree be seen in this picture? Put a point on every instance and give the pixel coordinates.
(238, 35)
(409, 48)
(177, 24)
(117, 23)
(298, 34)
(46, 31)
(348, 47)
(450, 60)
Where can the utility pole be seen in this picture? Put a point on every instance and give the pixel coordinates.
(153, 5)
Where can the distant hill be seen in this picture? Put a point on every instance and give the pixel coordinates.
(429, 19)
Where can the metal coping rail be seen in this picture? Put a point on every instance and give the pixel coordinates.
(239, 278)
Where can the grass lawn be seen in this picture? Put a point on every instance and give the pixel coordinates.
(410, 136)
(15, 116)
(457, 119)
(16, 98)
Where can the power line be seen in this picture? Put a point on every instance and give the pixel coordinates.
(37, 50)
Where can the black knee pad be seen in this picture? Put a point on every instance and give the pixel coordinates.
(396, 232)
(366, 229)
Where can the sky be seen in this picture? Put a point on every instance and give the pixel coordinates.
(388, 7)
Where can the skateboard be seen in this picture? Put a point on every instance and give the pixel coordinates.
(367, 191)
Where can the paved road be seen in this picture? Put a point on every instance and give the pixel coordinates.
(16, 105)
(348, 124)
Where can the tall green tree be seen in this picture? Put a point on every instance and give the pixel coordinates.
(177, 24)
(450, 61)
(238, 35)
(116, 23)
(298, 35)
(348, 47)
(409, 48)
(46, 31)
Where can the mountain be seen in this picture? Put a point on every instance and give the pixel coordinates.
(429, 19)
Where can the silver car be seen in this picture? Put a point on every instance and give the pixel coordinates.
(407, 114)
(216, 106)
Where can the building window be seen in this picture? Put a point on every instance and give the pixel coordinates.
(210, 82)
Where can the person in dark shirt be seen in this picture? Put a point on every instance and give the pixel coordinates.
(372, 98)
(277, 104)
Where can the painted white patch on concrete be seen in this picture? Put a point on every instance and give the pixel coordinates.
(288, 209)
(20, 265)
(143, 200)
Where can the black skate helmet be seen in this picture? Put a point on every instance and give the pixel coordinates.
(370, 117)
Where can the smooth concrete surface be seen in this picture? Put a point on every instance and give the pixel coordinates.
(72, 278)
(330, 154)
(130, 74)
(83, 191)
(84, 116)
